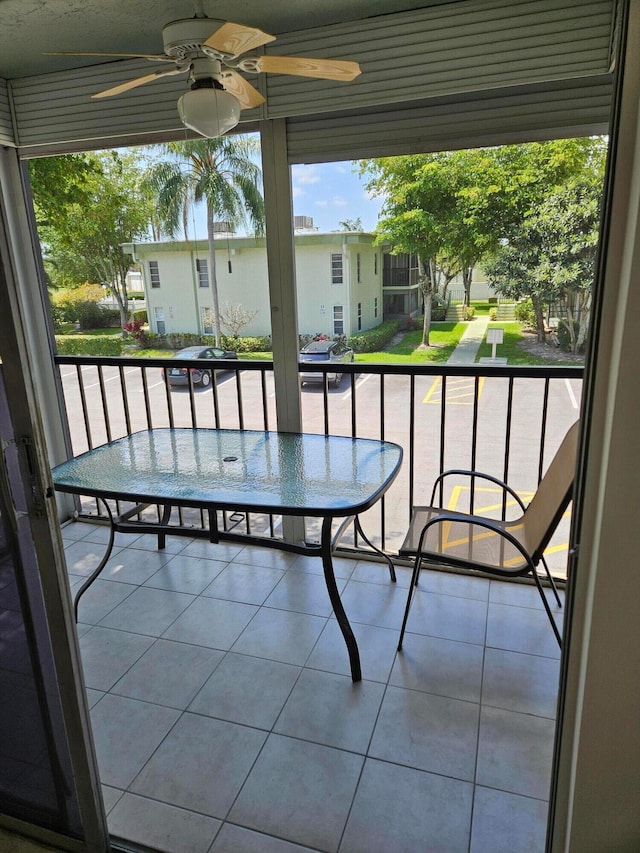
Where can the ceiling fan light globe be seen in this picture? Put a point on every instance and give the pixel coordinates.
(210, 112)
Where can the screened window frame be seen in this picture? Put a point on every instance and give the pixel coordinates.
(202, 270)
(160, 319)
(338, 319)
(154, 275)
(337, 268)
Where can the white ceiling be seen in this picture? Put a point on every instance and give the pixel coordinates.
(30, 27)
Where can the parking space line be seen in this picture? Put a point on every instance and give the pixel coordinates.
(460, 391)
(572, 396)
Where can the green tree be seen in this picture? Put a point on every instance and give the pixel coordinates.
(84, 242)
(452, 209)
(552, 258)
(351, 224)
(57, 183)
(221, 172)
(414, 216)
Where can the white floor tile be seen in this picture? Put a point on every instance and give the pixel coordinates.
(400, 809)
(519, 682)
(434, 665)
(201, 765)
(507, 823)
(280, 635)
(427, 732)
(515, 752)
(186, 574)
(161, 826)
(299, 791)
(169, 673)
(126, 733)
(247, 690)
(332, 710)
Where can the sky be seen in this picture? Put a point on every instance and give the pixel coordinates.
(327, 192)
(331, 193)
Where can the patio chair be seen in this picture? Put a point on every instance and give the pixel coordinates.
(504, 548)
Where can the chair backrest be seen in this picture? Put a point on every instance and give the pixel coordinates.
(543, 514)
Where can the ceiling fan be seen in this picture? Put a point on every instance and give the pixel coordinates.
(212, 53)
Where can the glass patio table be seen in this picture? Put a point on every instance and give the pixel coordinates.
(297, 474)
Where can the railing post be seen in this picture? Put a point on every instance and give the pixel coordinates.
(282, 288)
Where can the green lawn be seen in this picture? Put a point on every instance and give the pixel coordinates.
(511, 351)
(481, 306)
(148, 353)
(443, 339)
(69, 329)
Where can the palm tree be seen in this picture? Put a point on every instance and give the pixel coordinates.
(223, 173)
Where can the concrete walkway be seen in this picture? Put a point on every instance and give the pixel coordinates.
(469, 344)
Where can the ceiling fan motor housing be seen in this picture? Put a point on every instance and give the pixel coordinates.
(183, 39)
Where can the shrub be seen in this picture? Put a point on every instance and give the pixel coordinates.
(88, 345)
(469, 312)
(110, 319)
(439, 309)
(247, 344)
(80, 305)
(525, 314)
(493, 313)
(179, 340)
(564, 338)
(141, 315)
(134, 328)
(373, 340)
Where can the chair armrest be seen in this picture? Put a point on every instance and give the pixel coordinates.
(481, 521)
(480, 475)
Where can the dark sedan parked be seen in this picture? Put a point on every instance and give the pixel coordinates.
(325, 352)
(199, 375)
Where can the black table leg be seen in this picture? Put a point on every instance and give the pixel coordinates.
(94, 574)
(336, 602)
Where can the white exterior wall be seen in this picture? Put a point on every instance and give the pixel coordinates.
(181, 298)
(368, 289)
(246, 285)
(317, 296)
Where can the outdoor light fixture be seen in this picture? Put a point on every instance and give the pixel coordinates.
(208, 109)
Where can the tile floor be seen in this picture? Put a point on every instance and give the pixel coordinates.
(225, 719)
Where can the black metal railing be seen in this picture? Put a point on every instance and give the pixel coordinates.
(503, 420)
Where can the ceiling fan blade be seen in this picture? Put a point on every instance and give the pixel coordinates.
(301, 66)
(247, 94)
(159, 57)
(235, 39)
(138, 81)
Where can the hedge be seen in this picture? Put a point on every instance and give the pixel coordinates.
(140, 314)
(89, 345)
(180, 340)
(374, 340)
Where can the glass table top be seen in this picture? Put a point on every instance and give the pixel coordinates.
(299, 473)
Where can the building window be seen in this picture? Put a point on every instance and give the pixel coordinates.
(207, 320)
(359, 316)
(358, 268)
(375, 264)
(154, 274)
(338, 320)
(375, 306)
(203, 273)
(161, 327)
(336, 268)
